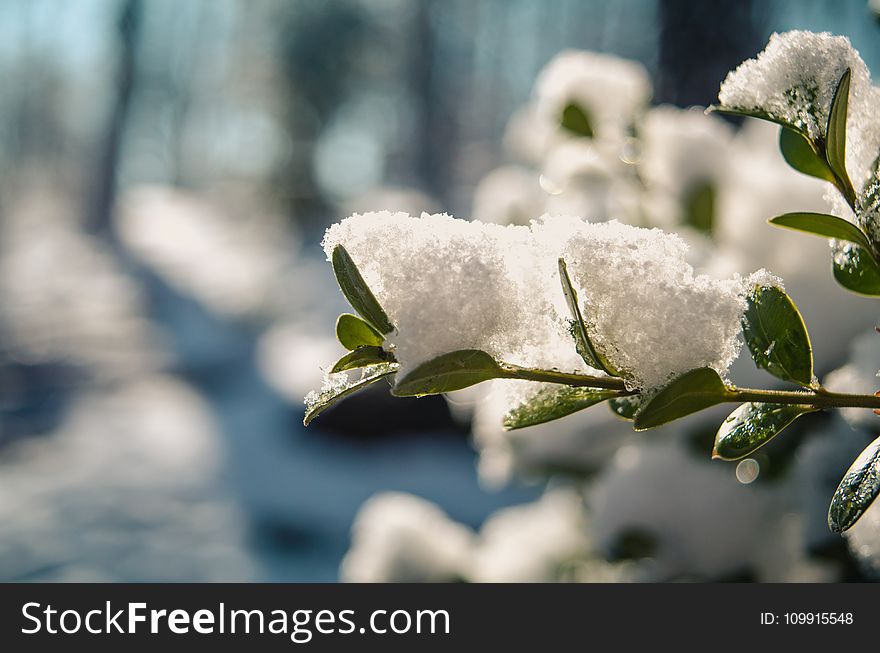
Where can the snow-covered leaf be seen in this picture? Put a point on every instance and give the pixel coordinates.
(776, 336)
(357, 292)
(753, 425)
(858, 489)
(353, 332)
(339, 386)
(583, 344)
(626, 407)
(856, 269)
(362, 357)
(689, 393)
(554, 402)
(452, 371)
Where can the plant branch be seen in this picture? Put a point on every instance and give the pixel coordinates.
(819, 399)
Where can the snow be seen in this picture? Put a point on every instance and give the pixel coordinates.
(794, 80)
(449, 284)
(611, 91)
(398, 537)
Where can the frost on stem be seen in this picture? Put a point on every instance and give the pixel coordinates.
(449, 284)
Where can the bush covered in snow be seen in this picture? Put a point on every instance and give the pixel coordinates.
(567, 295)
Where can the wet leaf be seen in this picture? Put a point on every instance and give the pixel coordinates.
(551, 403)
(689, 393)
(583, 344)
(576, 120)
(753, 425)
(798, 152)
(858, 489)
(452, 371)
(776, 336)
(856, 270)
(353, 332)
(316, 403)
(821, 224)
(357, 292)
(362, 357)
(626, 407)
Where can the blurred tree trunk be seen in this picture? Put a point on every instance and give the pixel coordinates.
(103, 196)
(700, 42)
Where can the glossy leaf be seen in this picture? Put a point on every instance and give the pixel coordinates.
(776, 336)
(835, 149)
(822, 224)
(858, 489)
(576, 121)
(753, 425)
(583, 344)
(320, 402)
(357, 292)
(353, 332)
(755, 113)
(798, 152)
(452, 371)
(689, 393)
(554, 402)
(626, 407)
(362, 357)
(856, 270)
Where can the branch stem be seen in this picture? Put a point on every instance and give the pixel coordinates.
(819, 399)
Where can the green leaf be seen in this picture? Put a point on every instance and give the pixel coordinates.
(554, 402)
(689, 393)
(753, 425)
(583, 344)
(353, 332)
(798, 152)
(316, 403)
(452, 371)
(576, 120)
(699, 208)
(357, 292)
(835, 149)
(626, 407)
(755, 113)
(822, 224)
(856, 270)
(858, 489)
(776, 336)
(362, 357)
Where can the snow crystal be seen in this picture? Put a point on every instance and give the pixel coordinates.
(794, 80)
(448, 284)
(399, 537)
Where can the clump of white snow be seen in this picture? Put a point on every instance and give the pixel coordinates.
(645, 308)
(609, 90)
(449, 284)
(399, 537)
(794, 80)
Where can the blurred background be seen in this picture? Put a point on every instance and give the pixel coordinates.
(167, 170)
